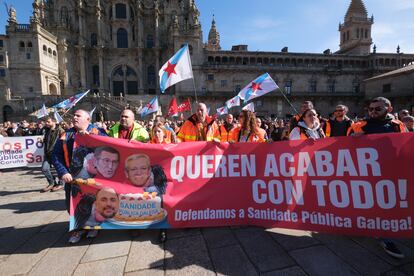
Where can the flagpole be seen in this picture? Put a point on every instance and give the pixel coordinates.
(287, 100)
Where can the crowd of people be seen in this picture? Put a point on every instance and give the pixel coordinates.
(246, 127)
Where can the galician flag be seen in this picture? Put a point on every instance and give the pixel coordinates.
(260, 86)
(177, 69)
(150, 107)
(249, 107)
(72, 101)
(235, 101)
(222, 110)
(42, 112)
(58, 118)
(92, 111)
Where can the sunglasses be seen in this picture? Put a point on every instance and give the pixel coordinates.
(378, 109)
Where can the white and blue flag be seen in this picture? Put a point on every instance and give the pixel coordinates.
(259, 87)
(177, 69)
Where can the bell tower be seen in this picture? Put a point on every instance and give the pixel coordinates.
(213, 37)
(355, 32)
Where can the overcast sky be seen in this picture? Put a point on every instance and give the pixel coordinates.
(302, 25)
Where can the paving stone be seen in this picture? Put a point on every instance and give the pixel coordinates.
(29, 254)
(15, 238)
(113, 267)
(290, 271)
(408, 268)
(374, 246)
(145, 254)
(186, 232)
(146, 272)
(396, 273)
(108, 244)
(292, 239)
(39, 218)
(190, 270)
(318, 260)
(218, 237)
(60, 223)
(262, 250)
(187, 255)
(62, 259)
(231, 260)
(357, 256)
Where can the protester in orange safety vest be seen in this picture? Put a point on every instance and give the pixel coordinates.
(380, 121)
(340, 124)
(248, 130)
(227, 128)
(308, 127)
(199, 127)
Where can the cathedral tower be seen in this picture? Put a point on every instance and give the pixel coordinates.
(356, 30)
(213, 38)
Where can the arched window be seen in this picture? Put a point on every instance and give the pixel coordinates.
(21, 46)
(49, 51)
(54, 54)
(95, 74)
(52, 89)
(150, 41)
(120, 11)
(125, 81)
(122, 38)
(151, 75)
(94, 39)
(29, 44)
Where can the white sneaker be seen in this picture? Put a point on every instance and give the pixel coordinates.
(92, 234)
(76, 236)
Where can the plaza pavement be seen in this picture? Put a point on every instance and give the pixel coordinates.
(33, 236)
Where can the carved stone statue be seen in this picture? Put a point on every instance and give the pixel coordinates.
(12, 14)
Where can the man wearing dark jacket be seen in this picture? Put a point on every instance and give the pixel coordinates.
(380, 121)
(52, 134)
(62, 159)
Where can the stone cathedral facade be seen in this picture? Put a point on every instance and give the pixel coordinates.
(116, 47)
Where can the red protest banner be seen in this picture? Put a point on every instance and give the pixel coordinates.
(350, 185)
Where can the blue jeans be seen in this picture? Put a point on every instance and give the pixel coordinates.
(47, 172)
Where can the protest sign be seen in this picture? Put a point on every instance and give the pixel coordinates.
(347, 185)
(25, 151)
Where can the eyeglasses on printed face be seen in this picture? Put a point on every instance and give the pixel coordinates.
(377, 108)
(108, 162)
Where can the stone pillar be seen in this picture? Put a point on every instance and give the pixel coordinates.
(124, 69)
(140, 74)
(82, 66)
(101, 69)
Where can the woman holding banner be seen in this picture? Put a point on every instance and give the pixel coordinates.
(248, 130)
(308, 127)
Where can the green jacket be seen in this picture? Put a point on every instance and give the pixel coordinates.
(139, 133)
